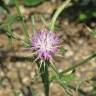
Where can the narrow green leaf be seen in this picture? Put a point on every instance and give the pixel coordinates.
(10, 21)
(24, 25)
(54, 76)
(33, 24)
(44, 21)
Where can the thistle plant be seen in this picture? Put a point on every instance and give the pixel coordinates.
(45, 44)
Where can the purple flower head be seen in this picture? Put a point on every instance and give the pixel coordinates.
(45, 44)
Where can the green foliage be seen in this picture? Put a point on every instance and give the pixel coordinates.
(68, 78)
(64, 79)
(8, 26)
(24, 25)
(62, 50)
(82, 17)
(32, 2)
(10, 33)
(87, 15)
(86, 10)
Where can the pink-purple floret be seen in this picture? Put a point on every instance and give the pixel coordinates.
(45, 44)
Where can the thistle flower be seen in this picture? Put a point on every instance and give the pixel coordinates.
(44, 43)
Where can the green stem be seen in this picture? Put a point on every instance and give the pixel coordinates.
(22, 21)
(57, 13)
(44, 75)
(93, 55)
(33, 24)
(9, 27)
